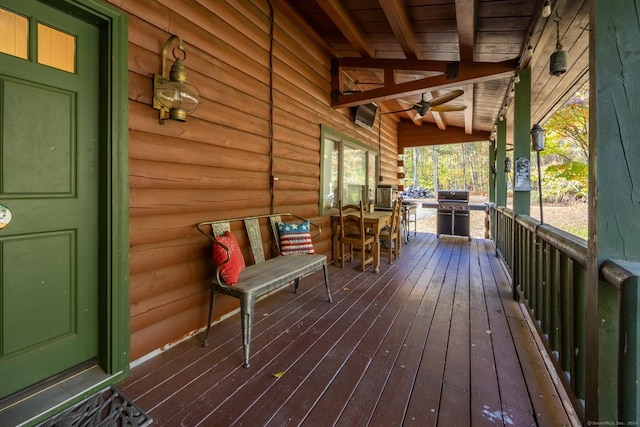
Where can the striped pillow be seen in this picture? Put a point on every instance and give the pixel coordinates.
(295, 238)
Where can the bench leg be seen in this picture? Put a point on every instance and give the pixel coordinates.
(326, 281)
(247, 305)
(212, 298)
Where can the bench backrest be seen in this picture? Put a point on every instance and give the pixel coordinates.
(252, 230)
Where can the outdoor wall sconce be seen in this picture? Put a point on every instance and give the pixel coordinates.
(172, 94)
(558, 60)
(507, 165)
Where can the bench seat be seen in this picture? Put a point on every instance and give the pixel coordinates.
(262, 277)
(259, 279)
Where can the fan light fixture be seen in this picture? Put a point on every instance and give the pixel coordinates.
(546, 9)
(558, 60)
(172, 94)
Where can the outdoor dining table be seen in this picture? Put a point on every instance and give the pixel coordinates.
(374, 221)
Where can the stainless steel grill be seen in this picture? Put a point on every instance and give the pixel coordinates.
(453, 213)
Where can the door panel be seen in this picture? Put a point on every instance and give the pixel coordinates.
(22, 146)
(49, 179)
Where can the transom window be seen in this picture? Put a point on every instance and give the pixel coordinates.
(348, 171)
(54, 48)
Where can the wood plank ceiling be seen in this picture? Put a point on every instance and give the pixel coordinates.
(399, 52)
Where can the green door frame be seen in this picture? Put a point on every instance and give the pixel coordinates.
(114, 342)
(114, 336)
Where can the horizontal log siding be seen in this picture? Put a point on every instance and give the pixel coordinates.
(217, 164)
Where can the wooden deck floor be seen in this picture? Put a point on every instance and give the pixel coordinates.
(434, 339)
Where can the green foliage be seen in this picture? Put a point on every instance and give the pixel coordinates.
(566, 182)
(565, 157)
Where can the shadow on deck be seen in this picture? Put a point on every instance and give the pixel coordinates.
(434, 339)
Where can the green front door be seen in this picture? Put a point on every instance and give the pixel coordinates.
(49, 181)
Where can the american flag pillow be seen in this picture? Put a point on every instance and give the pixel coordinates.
(295, 238)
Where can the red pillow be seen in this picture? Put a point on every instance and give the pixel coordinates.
(230, 271)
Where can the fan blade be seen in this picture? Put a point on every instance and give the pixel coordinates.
(444, 108)
(446, 97)
(399, 111)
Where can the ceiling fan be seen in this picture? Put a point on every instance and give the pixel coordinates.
(435, 104)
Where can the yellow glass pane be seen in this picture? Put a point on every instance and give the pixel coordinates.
(14, 34)
(56, 49)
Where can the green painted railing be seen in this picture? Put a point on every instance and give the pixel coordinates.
(548, 269)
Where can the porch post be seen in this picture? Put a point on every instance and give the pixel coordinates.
(492, 171)
(521, 157)
(614, 193)
(501, 176)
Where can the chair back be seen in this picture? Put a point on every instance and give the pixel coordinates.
(351, 220)
(395, 215)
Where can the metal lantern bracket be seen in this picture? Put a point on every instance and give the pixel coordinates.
(185, 96)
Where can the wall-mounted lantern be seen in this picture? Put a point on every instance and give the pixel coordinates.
(507, 165)
(171, 93)
(537, 138)
(537, 145)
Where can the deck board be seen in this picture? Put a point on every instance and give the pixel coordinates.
(433, 340)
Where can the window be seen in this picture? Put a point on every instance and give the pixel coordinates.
(349, 171)
(55, 48)
(14, 34)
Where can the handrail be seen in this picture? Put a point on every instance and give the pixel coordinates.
(617, 272)
(548, 271)
(572, 245)
(548, 268)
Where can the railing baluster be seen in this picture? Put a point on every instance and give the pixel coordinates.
(568, 340)
(580, 295)
(555, 333)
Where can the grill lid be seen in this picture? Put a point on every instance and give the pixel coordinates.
(453, 196)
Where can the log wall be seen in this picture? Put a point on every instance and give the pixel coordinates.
(220, 162)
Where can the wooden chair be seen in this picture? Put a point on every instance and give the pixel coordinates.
(389, 235)
(353, 234)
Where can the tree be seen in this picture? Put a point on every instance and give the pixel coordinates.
(566, 155)
(570, 125)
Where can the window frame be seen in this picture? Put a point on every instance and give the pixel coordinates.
(326, 203)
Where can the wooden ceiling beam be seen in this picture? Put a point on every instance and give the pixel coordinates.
(467, 73)
(440, 122)
(466, 13)
(339, 14)
(410, 135)
(396, 14)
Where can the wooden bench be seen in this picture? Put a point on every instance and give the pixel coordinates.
(266, 274)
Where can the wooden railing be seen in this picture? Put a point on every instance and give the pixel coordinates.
(548, 269)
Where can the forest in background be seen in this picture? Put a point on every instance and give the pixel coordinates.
(448, 167)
